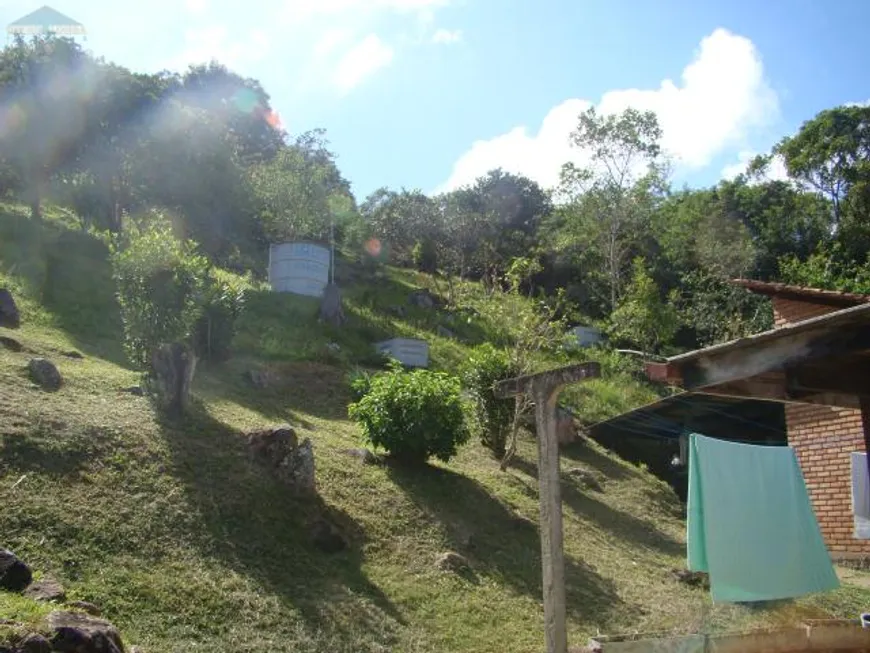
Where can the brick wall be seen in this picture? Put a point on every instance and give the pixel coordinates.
(786, 311)
(823, 439)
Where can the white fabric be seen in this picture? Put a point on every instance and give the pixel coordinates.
(861, 495)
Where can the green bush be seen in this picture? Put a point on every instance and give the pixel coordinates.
(424, 255)
(161, 282)
(222, 302)
(412, 415)
(487, 366)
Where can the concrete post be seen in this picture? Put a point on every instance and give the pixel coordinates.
(544, 389)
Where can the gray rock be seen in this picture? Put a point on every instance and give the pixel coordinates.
(172, 368)
(34, 643)
(9, 315)
(331, 311)
(398, 311)
(327, 537)
(73, 354)
(367, 457)
(587, 478)
(423, 299)
(46, 589)
(73, 632)
(279, 450)
(11, 344)
(452, 561)
(262, 378)
(86, 606)
(444, 332)
(45, 374)
(135, 390)
(15, 576)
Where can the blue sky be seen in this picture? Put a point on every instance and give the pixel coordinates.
(431, 93)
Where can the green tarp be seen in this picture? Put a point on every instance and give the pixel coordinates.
(751, 525)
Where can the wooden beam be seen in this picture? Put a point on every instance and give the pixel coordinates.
(544, 390)
(561, 376)
(850, 377)
(772, 355)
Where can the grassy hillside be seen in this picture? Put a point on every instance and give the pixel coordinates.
(187, 545)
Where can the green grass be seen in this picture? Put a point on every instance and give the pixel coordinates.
(188, 545)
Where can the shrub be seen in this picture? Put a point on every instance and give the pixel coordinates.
(424, 255)
(494, 416)
(412, 415)
(222, 301)
(161, 281)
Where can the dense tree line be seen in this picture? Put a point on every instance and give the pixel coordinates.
(204, 149)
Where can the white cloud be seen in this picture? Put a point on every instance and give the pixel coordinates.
(447, 36)
(865, 103)
(297, 10)
(213, 42)
(196, 7)
(330, 40)
(723, 96)
(776, 171)
(361, 61)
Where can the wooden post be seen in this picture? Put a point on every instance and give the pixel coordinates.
(544, 389)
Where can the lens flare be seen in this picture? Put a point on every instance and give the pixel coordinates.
(273, 119)
(373, 247)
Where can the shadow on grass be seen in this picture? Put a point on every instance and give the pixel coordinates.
(69, 273)
(48, 451)
(580, 452)
(620, 524)
(293, 389)
(252, 523)
(499, 543)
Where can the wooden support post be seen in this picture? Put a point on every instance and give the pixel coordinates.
(544, 389)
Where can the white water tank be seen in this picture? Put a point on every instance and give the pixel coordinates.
(301, 268)
(586, 336)
(408, 351)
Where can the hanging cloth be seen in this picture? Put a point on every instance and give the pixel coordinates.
(860, 495)
(750, 523)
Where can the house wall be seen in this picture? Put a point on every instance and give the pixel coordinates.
(823, 437)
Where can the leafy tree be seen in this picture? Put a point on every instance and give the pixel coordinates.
(642, 318)
(828, 270)
(44, 86)
(300, 192)
(831, 153)
(242, 105)
(610, 202)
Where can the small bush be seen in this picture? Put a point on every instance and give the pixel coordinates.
(424, 255)
(494, 416)
(161, 281)
(412, 415)
(222, 302)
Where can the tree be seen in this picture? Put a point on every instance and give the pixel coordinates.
(401, 220)
(642, 318)
(45, 84)
(300, 191)
(831, 153)
(611, 200)
(241, 104)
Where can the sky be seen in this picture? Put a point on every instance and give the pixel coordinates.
(430, 94)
